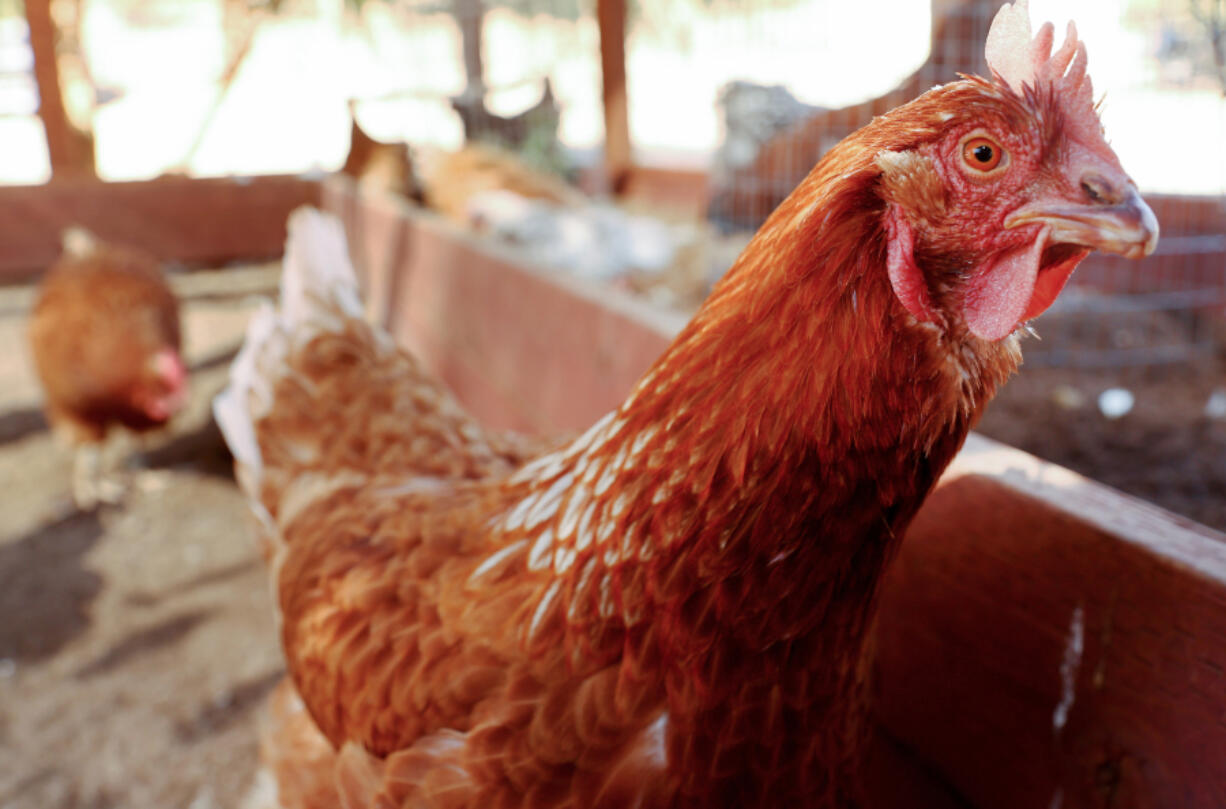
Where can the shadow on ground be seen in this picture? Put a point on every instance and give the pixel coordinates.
(45, 590)
(17, 424)
(143, 641)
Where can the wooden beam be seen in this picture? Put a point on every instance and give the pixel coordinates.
(611, 16)
(176, 218)
(470, 15)
(71, 151)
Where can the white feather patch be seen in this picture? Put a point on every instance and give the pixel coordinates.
(495, 561)
(318, 290)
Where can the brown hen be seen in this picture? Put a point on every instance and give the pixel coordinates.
(672, 609)
(104, 335)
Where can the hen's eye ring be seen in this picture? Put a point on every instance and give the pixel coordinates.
(982, 154)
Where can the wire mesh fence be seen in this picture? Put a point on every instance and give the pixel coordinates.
(1117, 313)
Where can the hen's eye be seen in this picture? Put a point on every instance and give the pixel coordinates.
(982, 154)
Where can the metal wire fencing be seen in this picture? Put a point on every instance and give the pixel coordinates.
(1165, 82)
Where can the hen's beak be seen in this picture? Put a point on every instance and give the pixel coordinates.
(1117, 223)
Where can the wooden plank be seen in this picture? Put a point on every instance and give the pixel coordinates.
(611, 17)
(524, 348)
(1047, 641)
(175, 218)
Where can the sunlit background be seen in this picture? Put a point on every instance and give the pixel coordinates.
(730, 101)
(151, 77)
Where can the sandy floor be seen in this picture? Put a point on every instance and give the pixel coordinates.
(136, 644)
(1169, 449)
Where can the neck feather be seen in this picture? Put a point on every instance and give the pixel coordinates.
(797, 421)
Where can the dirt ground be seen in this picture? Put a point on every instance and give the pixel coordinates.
(1167, 449)
(136, 644)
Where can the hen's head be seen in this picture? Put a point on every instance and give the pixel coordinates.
(1001, 187)
(161, 390)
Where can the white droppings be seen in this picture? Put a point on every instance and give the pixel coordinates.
(542, 551)
(1215, 406)
(495, 560)
(1116, 403)
(1069, 666)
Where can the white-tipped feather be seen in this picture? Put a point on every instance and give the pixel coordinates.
(318, 280)
(319, 292)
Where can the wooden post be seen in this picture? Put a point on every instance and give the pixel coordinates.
(611, 15)
(470, 14)
(71, 151)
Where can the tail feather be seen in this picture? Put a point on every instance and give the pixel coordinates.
(319, 293)
(319, 399)
(319, 281)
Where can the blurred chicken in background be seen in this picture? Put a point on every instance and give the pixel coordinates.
(105, 339)
(451, 180)
(379, 165)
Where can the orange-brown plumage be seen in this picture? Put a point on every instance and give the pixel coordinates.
(104, 336)
(453, 179)
(672, 609)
